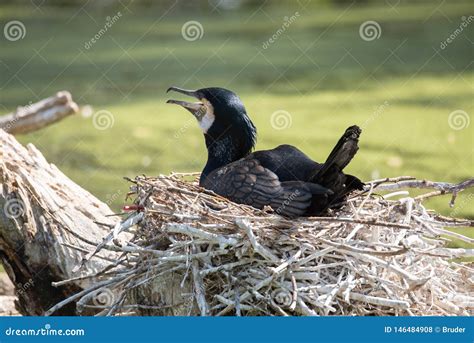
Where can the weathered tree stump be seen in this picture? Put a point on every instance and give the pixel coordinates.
(47, 222)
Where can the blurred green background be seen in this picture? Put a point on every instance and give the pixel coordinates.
(408, 88)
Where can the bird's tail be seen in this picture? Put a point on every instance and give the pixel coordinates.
(296, 197)
(339, 158)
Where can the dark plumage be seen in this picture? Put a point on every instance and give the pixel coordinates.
(283, 178)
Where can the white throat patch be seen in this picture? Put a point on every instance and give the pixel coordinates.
(208, 119)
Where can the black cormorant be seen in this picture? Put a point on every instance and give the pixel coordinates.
(283, 178)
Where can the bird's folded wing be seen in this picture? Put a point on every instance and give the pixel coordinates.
(247, 182)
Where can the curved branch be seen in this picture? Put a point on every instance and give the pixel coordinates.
(40, 114)
(445, 187)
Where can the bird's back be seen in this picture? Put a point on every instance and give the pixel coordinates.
(287, 162)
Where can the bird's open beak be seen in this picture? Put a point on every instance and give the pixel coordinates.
(196, 108)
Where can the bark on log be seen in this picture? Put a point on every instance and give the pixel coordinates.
(43, 214)
(38, 115)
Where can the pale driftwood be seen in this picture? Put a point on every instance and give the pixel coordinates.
(40, 114)
(42, 214)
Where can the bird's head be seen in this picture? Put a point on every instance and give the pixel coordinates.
(222, 118)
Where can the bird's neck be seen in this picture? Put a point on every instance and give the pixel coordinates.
(223, 151)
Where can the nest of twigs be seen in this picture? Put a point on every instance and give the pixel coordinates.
(191, 252)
